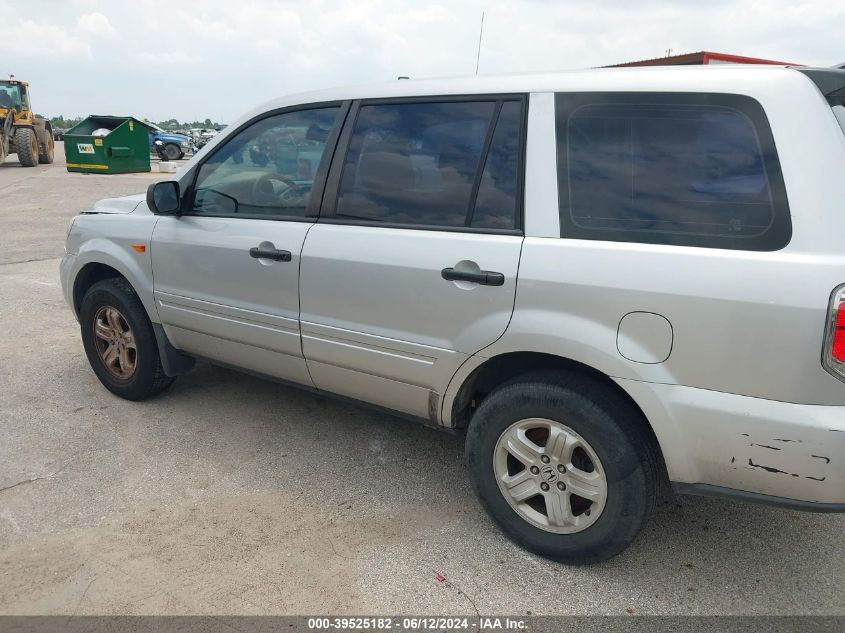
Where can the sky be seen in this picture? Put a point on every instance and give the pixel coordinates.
(161, 59)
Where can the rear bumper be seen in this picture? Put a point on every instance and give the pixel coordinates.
(762, 450)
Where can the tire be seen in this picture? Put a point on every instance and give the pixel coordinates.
(147, 377)
(611, 430)
(26, 144)
(173, 152)
(46, 150)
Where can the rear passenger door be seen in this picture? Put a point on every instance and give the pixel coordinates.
(412, 266)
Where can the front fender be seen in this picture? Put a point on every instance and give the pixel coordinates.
(116, 252)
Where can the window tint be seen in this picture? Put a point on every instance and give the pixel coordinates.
(496, 203)
(267, 169)
(697, 170)
(418, 164)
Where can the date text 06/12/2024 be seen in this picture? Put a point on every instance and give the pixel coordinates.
(416, 624)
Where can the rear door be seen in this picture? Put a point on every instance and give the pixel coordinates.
(412, 267)
(227, 270)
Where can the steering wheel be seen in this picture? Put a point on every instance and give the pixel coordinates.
(263, 188)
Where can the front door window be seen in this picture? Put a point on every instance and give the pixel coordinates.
(268, 169)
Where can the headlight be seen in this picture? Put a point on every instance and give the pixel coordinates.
(185, 144)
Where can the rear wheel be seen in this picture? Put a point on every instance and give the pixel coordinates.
(119, 341)
(46, 149)
(564, 465)
(26, 144)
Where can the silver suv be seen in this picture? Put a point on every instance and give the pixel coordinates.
(609, 280)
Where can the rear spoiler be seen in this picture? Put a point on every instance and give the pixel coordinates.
(830, 81)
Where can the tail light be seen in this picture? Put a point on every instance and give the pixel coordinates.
(833, 356)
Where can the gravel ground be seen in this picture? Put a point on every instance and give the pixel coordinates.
(232, 495)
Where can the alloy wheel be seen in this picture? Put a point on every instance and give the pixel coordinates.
(550, 475)
(115, 342)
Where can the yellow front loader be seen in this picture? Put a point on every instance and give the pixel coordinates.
(21, 132)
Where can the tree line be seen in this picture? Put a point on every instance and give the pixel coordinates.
(169, 124)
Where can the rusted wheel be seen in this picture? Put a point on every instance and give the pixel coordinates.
(115, 342)
(120, 342)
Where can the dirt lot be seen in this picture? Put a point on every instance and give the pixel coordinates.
(233, 495)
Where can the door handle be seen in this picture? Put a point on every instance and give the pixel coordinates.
(483, 277)
(275, 254)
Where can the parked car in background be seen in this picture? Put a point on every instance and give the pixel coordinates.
(176, 146)
(611, 280)
(201, 136)
(59, 134)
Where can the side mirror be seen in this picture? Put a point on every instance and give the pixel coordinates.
(163, 197)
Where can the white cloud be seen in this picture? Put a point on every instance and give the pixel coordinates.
(30, 39)
(218, 58)
(96, 24)
(167, 60)
(431, 14)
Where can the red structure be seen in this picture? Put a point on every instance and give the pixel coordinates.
(702, 58)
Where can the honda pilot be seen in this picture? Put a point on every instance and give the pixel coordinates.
(611, 281)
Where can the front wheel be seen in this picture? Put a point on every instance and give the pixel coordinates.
(173, 152)
(26, 144)
(119, 341)
(564, 465)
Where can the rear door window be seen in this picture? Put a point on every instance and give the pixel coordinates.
(681, 169)
(434, 164)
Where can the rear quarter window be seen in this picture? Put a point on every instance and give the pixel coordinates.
(681, 169)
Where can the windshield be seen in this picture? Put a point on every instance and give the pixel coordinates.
(153, 126)
(10, 95)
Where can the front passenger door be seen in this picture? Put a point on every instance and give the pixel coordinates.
(226, 272)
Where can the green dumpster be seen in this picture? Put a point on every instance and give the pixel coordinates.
(108, 145)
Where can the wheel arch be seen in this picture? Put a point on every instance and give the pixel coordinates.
(101, 259)
(174, 362)
(90, 274)
(495, 371)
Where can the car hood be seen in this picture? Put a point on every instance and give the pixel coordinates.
(173, 137)
(124, 204)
